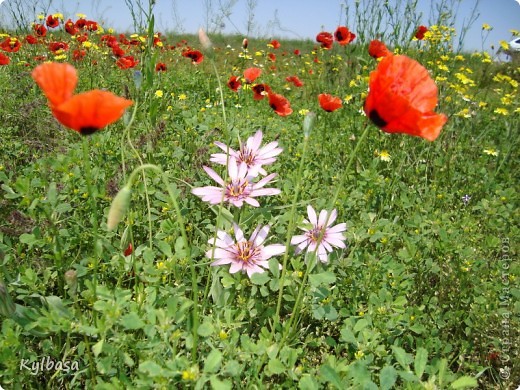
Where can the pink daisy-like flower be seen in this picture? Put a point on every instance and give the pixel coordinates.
(332, 235)
(250, 153)
(238, 189)
(244, 255)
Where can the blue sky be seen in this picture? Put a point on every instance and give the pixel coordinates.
(298, 18)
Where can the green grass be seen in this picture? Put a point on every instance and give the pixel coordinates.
(424, 296)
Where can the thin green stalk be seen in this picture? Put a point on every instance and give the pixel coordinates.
(290, 230)
(182, 225)
(339, 187)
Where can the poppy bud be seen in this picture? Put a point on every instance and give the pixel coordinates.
(129, 249)
(119, 207)
(245, 43)
(7, 306)
(71, 279)
(204, 39)
(308, 123)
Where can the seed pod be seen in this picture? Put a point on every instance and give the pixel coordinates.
(119, 207)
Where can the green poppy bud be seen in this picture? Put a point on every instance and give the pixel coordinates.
(119, 207)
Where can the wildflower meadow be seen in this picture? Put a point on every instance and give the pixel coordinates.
(235, 212)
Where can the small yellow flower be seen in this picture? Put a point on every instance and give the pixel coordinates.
(41, 17)
(385, 156)
(491, 152)
(87, 44)
(81, 16)
(486, 27)
(303, 111)
(188, 376)
(159, 93)
(359, 355)
(222, 335)
(501, 111)
(182, 96)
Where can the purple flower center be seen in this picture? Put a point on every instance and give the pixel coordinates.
(238, 188)
(315, 233)
(247, 252)
(246, 155)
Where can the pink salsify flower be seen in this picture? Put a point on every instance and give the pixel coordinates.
(244, 255)
(250, 153)
(331, 235)
(238, 189)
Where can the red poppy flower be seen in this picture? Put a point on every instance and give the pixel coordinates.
(421, 30)
(86, 112)
(57, 81)
(90, 25)
(10, 45)
(326, 39)
(55, 46)
(160, 67)
(118, 52)
(31, 40)
(82, 38)
(402, 97)
(89, 112)
(78, 54)
(52, 22)
(129, 249)
(4, 60)
(80, 24)
(344, 36)
(195, 56)
(275, 44)
(234, 83)
(272, 57)
(296, 52)
(251, 74)
(279, 104)
(260, 91)
(295, 80)
(127, 62)
(328, 102)
(378, 49)
(40, 30)
(70, 27)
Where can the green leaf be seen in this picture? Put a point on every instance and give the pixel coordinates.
(217, 384)
(464, 382)
(330, 375)
(402, 357)
(260, 278)
(421, 358)
(307, 382)
(206, 329)
(360, 325)
(322, 278)
(151, 368)
(275, 366)
(212, 363)
(387, 377)
(98, 347)
(131, 321)
(165, 248)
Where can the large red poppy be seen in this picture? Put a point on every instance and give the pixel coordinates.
(70, 27)
(251, 74)
(344, 36)
(328, 102)
(31, 40)
(260, 91)
(89, 112)
(56, 80)
(4, 60)
(195, 56)
(280, 104)
(40, 30)
(127, 62)
(378, 49)
(55, 46)
(52, 22)
(85, 112)
(419, 33)
(10, 45)
(234, 83)
(326, 39)
(402, 97)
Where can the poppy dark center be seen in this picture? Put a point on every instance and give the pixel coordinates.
(378, 121)
(88, 130)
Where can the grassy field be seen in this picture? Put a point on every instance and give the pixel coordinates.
(424, 296)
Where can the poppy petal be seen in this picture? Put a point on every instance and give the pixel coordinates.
(90, 111)
(57, 80)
